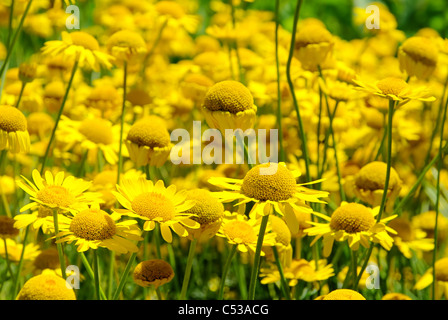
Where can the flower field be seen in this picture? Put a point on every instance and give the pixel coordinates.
(223, 150)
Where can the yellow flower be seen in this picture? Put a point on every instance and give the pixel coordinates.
(153, 272)
(15, 249)
(148, 141)
(126, 45)
(343, 294)
(410, 240)
(177, 16)
(154, 203)
(243, 232)
(418, 57)
(229, 105)
(93, 228)
(370, 181)
(299, 270)
(79, 46)
(269, 186)
(395, 89)
(46, 286)
(14, 135)
(104, 98)
(57, 192)
(40, 124)
(354, 223)
(7, 229)
(441, 267)
(396, 296)
(313, 46)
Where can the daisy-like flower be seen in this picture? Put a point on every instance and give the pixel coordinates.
(243, 232)
(148, 141)
(126, 46)
(153, 272)
(282, 240)
(418, 57)
(441, 288)
(410, 240)
(80, 46)
(14, 135)
(93, 228)
(369, 184)
(395, 89)
(94, 135)
(269, 186)
(299, 269)
(177, 16)
(155, 203)
(229, 105)
(15, 249)
(342, 294)
(67, 194)
(37, 219)
(354, 223)
(46, 286)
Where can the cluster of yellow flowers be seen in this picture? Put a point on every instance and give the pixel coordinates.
(86, 122)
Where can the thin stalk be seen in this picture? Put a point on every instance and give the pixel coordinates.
(354, 269)
(19, 268)
(279, 96)
(291, 86)
(90, 272)
(110, 274)
(10, 47)
(59, 245)
(225, 271)
(235, 42)
(284, 284)
(96, 272)
(11, 17)
(20, 94)
(256, 265)
(61, 109)
(125, 274)
(123, 109)
(8, 262)
(183, 292)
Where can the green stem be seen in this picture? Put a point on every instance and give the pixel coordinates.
(96, 272)
(355, 269)
(111, 274)
(284, 284)
(20, 94)
(61, 109)
(90, 272)
(10, 47)
(183, 292)
(123, 109)
(8, 263)
(291, 86)
(59, 245)
(124, 275)
(256, 265)
(19, 268)
(235, 42)
(225, 271)
(279, 96)
(11, 17)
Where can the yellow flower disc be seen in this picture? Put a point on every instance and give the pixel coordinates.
(240, 231)
(352, 218)
(372, 176)
(7, 229)
(83, 39)
(228, 95)
(47, 259)
(151, 132)
(153, 272)
(392, 86)
(441, 267)
(46, 287)
(421, 50)
(153, 205)
(207, 208)
(93, 224)
(278, 186)
(12, 119)
(56, 195)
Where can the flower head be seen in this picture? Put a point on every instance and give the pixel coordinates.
(126, 45)
(46, 286)
(13, 130)
(418, 57)
(153, 272)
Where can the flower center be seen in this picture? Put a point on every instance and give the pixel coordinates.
(392, 85)
(276, 185)
(231, 96)
(153, 270)
(93, 225)
(7, 227)
(352, 218)
(46, 287)
(373, 176)
(421, 49)
(11, 119)
(98, 131)
(312, 34)
(47, 259)
(207, 208)
(150, 132)
(153, 205)
(240, 231)
(170, 8)
(56, 195)
(85, 40)
(442, 269)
